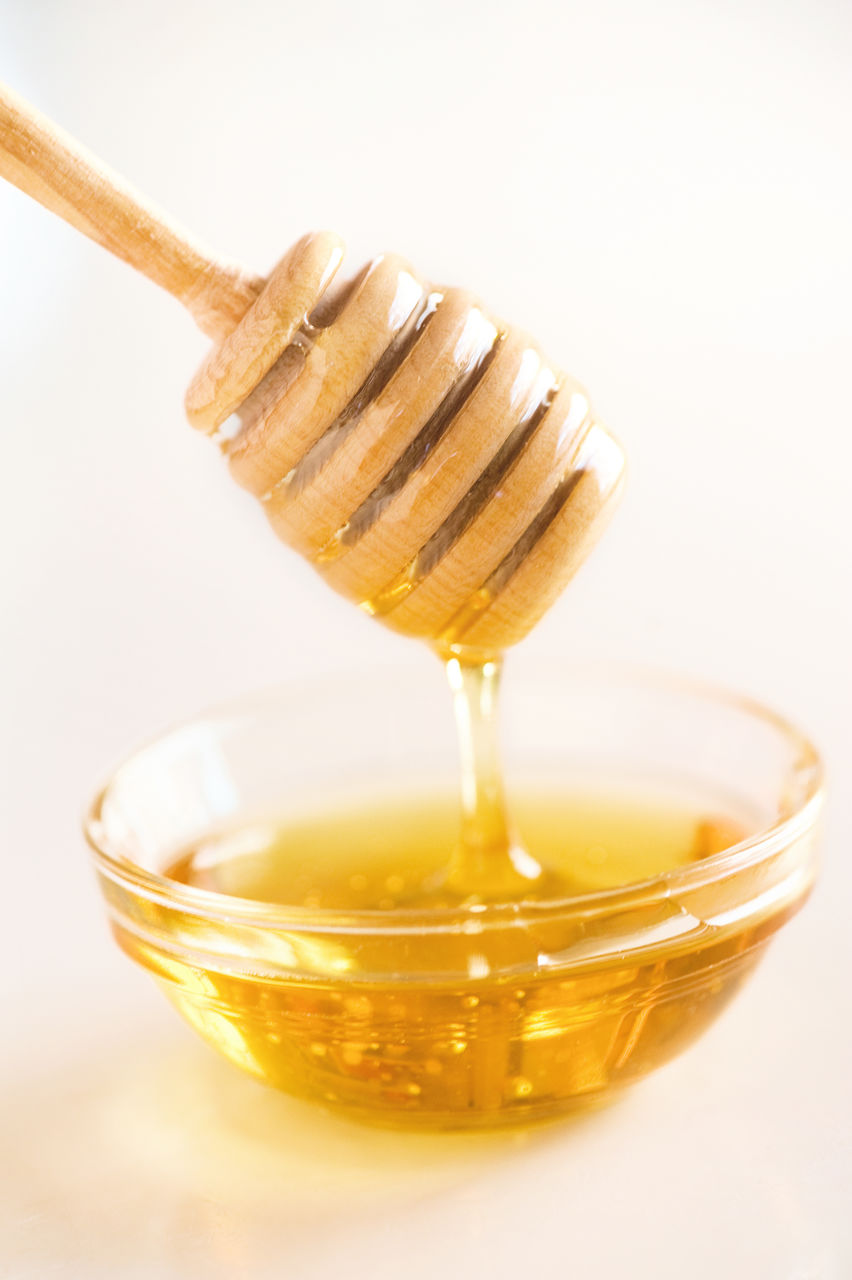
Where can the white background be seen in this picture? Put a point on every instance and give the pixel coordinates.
(661, 192)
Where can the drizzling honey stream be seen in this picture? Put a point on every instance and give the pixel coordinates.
(489, 862)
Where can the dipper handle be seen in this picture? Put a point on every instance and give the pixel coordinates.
(47, 164)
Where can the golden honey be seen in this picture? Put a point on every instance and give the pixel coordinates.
(475, 1023)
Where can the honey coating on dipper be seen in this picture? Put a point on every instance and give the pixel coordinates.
(427, 459)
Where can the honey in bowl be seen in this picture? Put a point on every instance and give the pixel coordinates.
(509, 1035)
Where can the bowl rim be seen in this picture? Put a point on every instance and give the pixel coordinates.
(208, 904)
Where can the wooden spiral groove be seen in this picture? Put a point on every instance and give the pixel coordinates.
(427, 459)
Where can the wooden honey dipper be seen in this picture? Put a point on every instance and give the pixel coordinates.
(427, 459)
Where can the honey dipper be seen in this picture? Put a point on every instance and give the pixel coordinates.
(426, 458)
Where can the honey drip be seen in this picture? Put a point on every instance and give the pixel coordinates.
(489, 862)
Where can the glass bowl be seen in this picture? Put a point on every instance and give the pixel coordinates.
(463, 1016)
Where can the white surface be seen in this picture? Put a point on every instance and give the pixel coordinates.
(661, 192)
